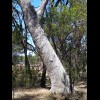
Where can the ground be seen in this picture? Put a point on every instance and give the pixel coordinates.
(44, 94)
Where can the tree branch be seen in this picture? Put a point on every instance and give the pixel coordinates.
(25, 1)
(42, 7)
(67, 2)
(57, 3)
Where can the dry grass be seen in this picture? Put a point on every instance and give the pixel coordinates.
(44, 94)
(31, 94)
(36, 94)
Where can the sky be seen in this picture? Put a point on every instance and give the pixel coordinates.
(36, 4)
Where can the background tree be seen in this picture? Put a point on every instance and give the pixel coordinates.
(66, 29)
(64, 23)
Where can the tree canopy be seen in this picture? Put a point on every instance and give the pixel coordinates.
(65, 25)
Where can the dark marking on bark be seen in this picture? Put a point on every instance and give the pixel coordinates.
(64, 81)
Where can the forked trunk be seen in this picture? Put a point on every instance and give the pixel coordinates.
(58, 76)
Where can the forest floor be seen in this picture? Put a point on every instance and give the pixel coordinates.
(44, 94)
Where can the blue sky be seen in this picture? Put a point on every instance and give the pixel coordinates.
(35, 3)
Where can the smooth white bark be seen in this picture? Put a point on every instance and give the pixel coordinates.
(41, 9)
(55, 69)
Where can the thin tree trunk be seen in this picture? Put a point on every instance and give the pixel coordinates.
(58, 76)
(27, 65)
(70, 75)
(27, 68)
(43, 78)
(54, 44)
(76, 63)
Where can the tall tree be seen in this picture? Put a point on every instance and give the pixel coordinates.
(66, 28)
(58, 76)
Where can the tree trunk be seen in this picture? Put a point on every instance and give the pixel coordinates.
(27, 65)
(43, 78)
(27, 68)
(70, 73)
(56, 72)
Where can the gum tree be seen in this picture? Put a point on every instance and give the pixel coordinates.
(58, 76)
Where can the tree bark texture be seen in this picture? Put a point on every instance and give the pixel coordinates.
(58, 76)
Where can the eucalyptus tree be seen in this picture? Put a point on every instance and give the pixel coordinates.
(59, 77)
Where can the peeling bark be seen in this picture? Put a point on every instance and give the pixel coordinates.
(58, 76)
